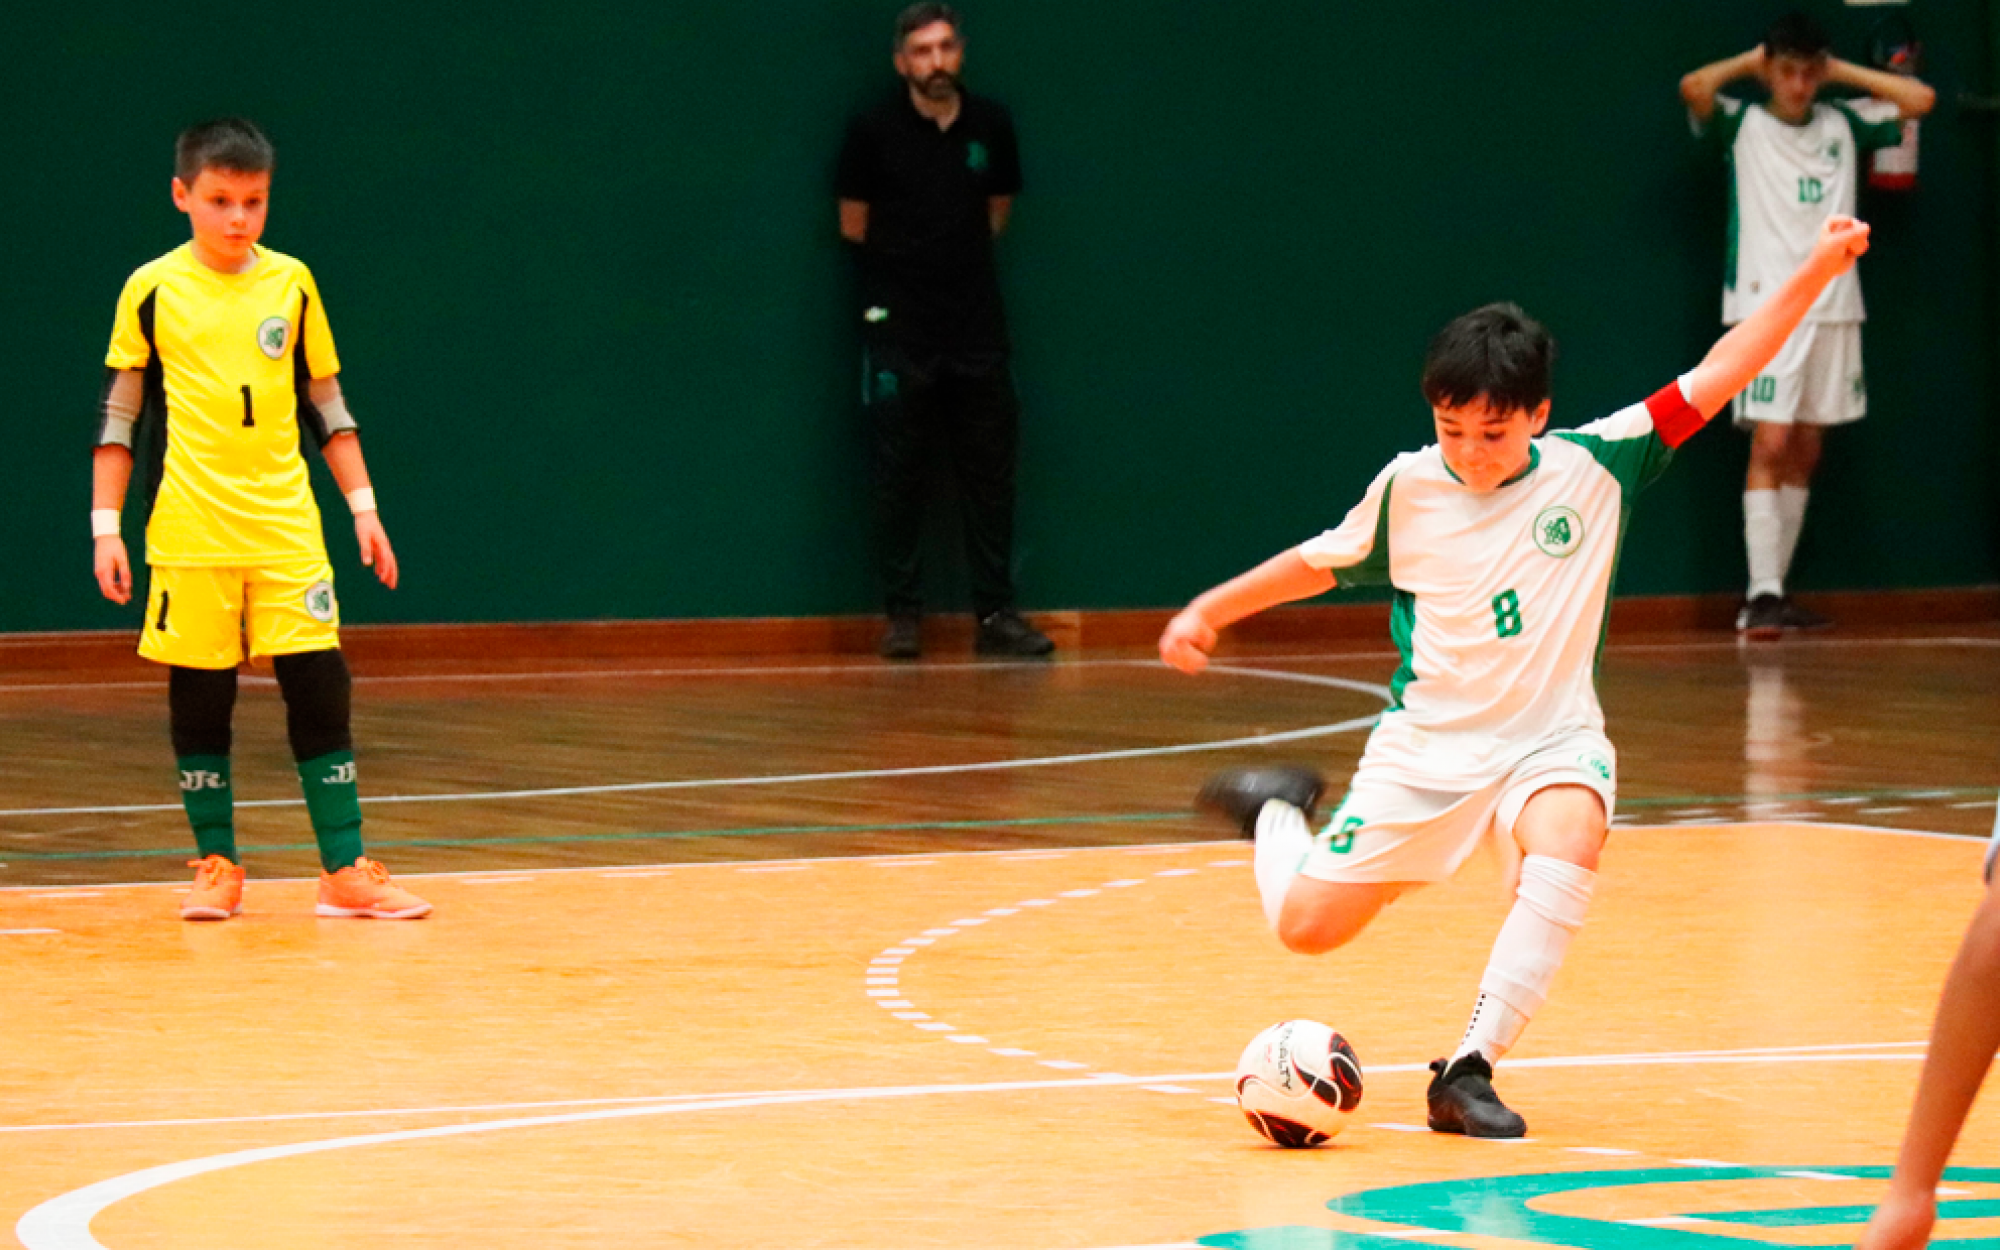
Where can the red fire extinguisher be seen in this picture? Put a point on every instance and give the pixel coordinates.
(1896, 50)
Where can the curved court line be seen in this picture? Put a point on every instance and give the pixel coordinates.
(862, 774)
(864, 666)
(1850, 1051)
(63, 1222)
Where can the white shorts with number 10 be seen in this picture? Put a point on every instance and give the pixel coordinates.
(1816, 379)
(1387, 831)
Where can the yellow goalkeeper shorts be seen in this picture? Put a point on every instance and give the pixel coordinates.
(199, 617)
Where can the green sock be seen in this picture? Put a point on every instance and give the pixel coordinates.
(210, 804)
(334, 803)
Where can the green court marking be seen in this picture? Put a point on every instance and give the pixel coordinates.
(1937, 793)
(752, 831)
(1502, 1206)
(1807, 1217)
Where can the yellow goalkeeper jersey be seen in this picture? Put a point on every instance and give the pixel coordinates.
(227, 359)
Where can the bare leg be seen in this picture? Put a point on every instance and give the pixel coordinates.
(1565, 823)
(1320, 916)
(1963, 1042)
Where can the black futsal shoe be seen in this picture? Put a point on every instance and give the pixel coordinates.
(1761, 619)
(1008, 633)
(904, 639)
(1798, 618)
(1462, 1100)
(1238, 794)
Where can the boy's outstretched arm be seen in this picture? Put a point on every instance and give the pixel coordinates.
(1284, 578)
(1740, 355)
(1963, 1041)
(350, 472)
(1698, 87)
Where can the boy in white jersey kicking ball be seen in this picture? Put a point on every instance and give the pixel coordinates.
(1499, 545)
(1793, 162)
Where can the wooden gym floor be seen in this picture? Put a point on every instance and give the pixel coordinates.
(858, 956)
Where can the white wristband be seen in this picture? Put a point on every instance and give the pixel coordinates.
(104, 522)
(360, 501)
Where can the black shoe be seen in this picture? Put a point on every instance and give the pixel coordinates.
(903, 640)
(1238, 794)
(1462, 1100)
(1796, 618)
(1007, 632)
(1762, 619)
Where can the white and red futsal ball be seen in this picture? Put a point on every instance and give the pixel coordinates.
(1298, 1082)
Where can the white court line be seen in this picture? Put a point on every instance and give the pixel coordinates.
(63, 1222)
(872, 669)
(781, 779)
(1138, 848)
(1800, 1054)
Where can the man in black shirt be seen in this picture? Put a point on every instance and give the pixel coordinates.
(926, 181)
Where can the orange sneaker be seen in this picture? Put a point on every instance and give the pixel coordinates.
(363, 889)
(217, 893)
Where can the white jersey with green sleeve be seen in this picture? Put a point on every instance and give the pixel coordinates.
(1784, 181)
(1501, 596)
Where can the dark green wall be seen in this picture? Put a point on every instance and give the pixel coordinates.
(594, 319)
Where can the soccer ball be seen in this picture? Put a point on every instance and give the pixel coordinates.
(1298, 1082)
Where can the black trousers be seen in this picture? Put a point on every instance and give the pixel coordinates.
(968, 408)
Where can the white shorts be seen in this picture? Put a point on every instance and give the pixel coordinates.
(1816, 379)
(1387, 831)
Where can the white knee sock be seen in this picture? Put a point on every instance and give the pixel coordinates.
(1763, 536)
(1791, 519)
(1548, 910)
(1283, 840)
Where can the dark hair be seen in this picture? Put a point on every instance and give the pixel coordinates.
(1497, 351)
(918, 16)
(229, 143)
(1796, 34)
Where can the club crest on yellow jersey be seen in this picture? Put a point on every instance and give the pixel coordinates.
(272, 337)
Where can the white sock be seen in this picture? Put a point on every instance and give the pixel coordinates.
(1763, 536)
(1548, 910)
(1283, 841)
(1791, 519)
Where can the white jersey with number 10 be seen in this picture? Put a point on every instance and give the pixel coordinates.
(1784, 182)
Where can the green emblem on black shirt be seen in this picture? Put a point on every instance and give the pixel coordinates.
(975, 155)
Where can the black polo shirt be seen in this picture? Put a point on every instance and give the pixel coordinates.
(928, 258)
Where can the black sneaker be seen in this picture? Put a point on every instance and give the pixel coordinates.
(1007, 632)
(903, 640)
(1795, 617)
(1762, 619)
(1462, 1100)
(1238, 794)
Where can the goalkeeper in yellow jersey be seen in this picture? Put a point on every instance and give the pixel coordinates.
(223, 347)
